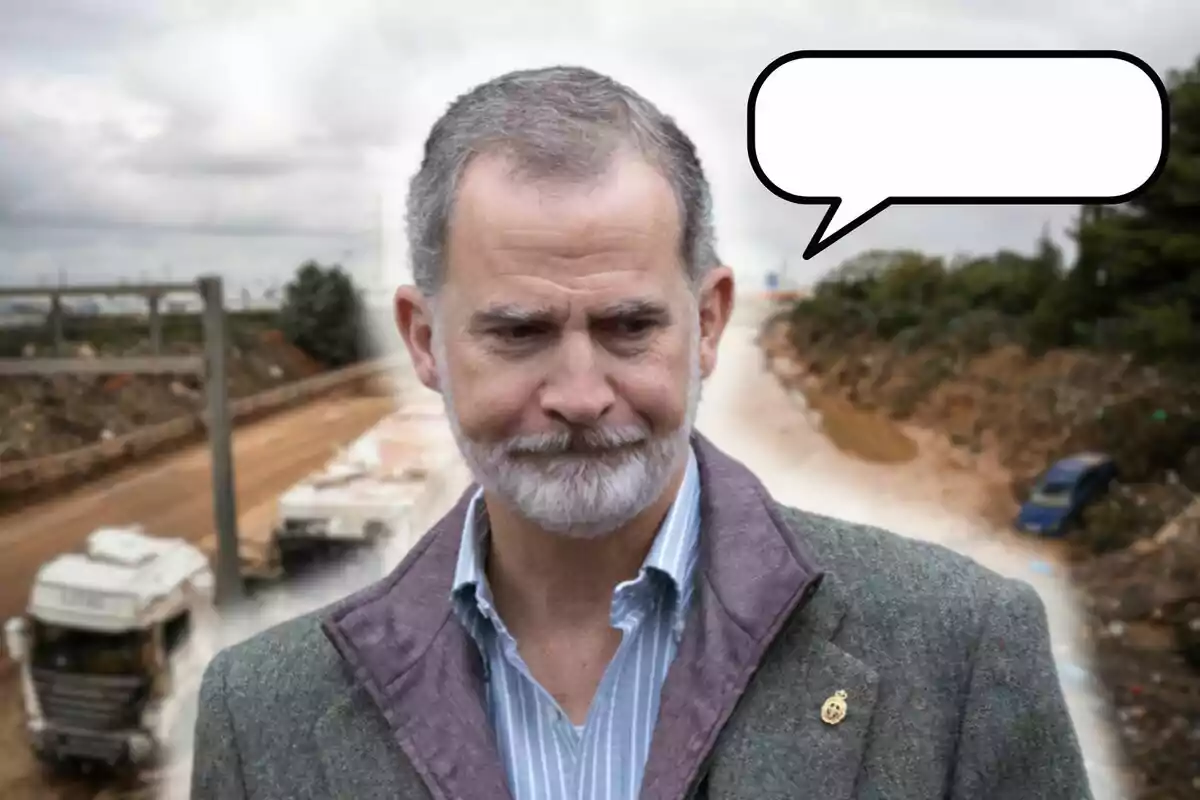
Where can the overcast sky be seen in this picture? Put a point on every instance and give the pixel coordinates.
(173, 137)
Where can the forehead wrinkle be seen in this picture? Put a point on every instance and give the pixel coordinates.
(572, 253)
(574, 285)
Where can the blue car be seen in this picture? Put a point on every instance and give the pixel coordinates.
(1061, 493)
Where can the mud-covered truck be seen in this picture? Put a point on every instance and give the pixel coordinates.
(368, 494)
(111, 647)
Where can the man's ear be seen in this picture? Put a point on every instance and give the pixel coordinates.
(414, 318)
(715, 300)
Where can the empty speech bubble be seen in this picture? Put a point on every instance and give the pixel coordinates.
(861, 130)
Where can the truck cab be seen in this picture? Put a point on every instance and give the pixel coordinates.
(112, 644)
(366, 495)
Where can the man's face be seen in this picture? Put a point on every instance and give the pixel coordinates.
(567, 342)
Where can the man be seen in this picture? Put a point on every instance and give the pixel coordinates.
(618, 609)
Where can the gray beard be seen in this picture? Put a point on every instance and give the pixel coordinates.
(581, 483)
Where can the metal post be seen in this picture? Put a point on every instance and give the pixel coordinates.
(155, 324)
(56, 324)
(229, 588)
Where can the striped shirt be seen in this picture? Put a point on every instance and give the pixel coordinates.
(545, 756)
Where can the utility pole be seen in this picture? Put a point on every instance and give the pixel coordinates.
(229, 588)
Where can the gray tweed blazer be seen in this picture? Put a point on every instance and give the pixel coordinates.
(950, 686)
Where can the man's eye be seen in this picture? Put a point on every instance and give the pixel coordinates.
(519, 333)
(633, 327)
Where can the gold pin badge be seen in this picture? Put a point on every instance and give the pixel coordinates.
(834, 709)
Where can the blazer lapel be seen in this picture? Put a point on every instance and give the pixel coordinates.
(786, 727)
(754, 577)
(421, 670)
(749, 580)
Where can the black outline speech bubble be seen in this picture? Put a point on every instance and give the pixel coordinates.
(816, 244)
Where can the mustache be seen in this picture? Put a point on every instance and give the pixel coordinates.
(577, 440)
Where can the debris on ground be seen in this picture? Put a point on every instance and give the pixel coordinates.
(42, 416)
(1144, 604)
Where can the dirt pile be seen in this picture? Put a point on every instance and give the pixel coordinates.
(41, 416)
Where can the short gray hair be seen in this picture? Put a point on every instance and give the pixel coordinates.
(555, 122)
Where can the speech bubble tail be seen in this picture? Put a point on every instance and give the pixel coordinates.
(843, 216)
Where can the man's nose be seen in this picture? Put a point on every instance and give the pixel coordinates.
(578, 391)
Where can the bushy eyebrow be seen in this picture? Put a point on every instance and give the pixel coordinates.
(629, 309)
(508, 314)
(511, 314)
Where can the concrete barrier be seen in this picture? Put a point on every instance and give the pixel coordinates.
(32, 479)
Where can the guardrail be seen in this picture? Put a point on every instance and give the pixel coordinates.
(140, 365)
(32, 479)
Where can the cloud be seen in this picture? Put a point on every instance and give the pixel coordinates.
(166, 120)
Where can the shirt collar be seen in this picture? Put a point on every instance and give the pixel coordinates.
(672, 555)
